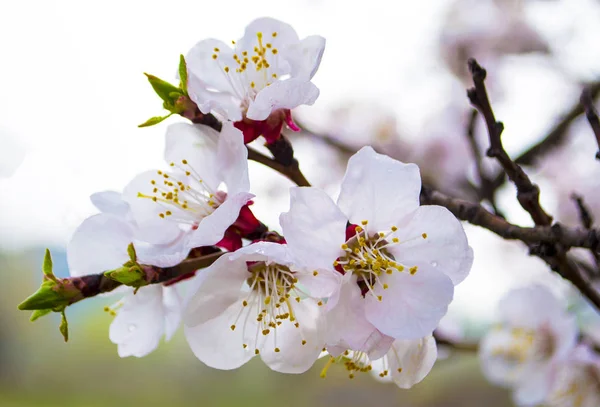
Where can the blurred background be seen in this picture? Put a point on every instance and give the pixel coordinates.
(393, 75)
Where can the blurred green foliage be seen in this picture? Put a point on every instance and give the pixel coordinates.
(38, 369)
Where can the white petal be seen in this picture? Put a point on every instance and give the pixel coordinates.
(197, 144)
(216, 345)
(110, 202)
(212, 101)
(150, 227)
(216, 291)
(201, 64)
(415, 358)
(212, 228)
(164, 255)
(379, 189)
(413, 305)
(319, 283)
(285, 94)
(305, 56)
(529, 307)
(347, 325)
(172, 306)
(294, 357)
(232, 159)
(284, 34)
(534, 387)
(268, 252)
(139, 324)
(445, 247)
(99, 244)
(314, 228)
(565, 334)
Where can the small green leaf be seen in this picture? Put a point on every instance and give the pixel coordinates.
(154, 120)
(46, 297)
(38, 313)
(64, 326)
(131, 252)
(163, 89)
(183, 74)
(47, 265)
(132, 276)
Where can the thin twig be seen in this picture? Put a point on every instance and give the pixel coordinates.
(592, 116)
(587, 221)
(527, 193)
(94, 284)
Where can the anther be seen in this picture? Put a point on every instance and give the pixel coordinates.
(232, 327)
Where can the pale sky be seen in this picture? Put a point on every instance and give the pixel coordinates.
(73, 92)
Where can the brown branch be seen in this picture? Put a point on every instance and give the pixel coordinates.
(528, 194)
(555, 254)
(587, 221)
(94, 284)
(592, 116)
(292, 172)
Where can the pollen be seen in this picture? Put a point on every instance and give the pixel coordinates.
(226, 69)
(217, 50)
(315, 273)
(214, 56)
(413, 270)
(303, 342)
(277, 350)
(274, 35)
(232, 327)
(424, 235)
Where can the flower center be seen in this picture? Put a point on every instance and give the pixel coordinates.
(527, 345)
(270, 300)
(253, 69)
(185, 199)
(367, 256)
(353, 362)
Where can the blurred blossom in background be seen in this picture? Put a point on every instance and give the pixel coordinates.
(393, 75)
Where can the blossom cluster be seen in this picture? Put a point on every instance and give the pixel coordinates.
(536, 350)
(362, 280)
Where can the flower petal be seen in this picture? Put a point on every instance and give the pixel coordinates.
(209, 101)
(379, 189)
(267, 26)
(284, 94)
(347, 326)
(232, 159)
(173, 309)
(139, 324)
(110, 202)
(535, 387)
(150, 227)
(99, 244)
(411, 360)
(529, 307)
(216, 345)
(202, 64)
(212, 228)
(215, 290)
(319, 283)
(412, 305)
(299, 348)
(197, 145)
(305, 56)
(164, 255)
(314, 228)
(432, 234)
